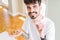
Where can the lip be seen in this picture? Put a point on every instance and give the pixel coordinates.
(32, 14)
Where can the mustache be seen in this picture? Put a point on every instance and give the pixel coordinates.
(32, 12)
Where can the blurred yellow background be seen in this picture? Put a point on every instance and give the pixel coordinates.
(10, 23)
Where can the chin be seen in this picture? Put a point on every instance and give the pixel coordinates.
(33, 17)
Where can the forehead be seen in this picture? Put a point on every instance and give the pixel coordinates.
(33, 4)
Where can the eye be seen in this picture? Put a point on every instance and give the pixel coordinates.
(28, 7)
(34, 6)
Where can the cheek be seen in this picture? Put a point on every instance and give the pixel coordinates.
(37, 9)
(28, 14)
(28, 10)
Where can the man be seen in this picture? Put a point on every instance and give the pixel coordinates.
(44, 25)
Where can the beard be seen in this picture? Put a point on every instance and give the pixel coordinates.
(33, 16)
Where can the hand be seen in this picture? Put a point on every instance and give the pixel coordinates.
(16, 33)
(40, 28)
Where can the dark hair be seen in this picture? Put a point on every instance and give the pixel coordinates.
(32, 1)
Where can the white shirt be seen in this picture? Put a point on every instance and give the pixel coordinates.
(49, 29)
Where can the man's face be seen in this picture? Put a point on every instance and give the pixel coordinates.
(33, 10)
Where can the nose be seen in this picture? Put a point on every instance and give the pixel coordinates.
(31, 10)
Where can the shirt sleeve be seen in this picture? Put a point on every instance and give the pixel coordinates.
(50, 32)
(25, 26)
